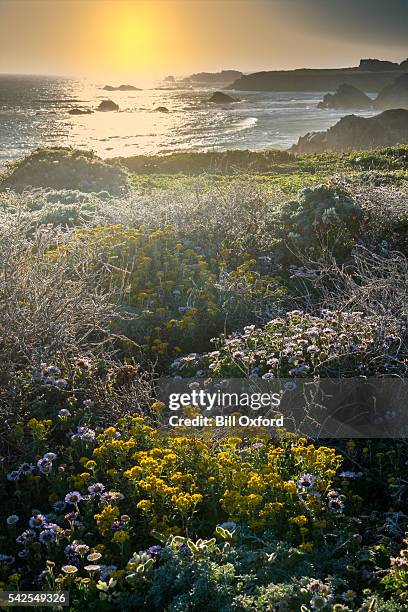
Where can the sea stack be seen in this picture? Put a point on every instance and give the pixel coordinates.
(346, 96)
(219, 97)
(108, 105)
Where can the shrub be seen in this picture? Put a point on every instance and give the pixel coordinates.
(165, 287)
(333, 344)
(319, 220)
(65, 168)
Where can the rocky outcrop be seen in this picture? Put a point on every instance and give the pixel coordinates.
(394, 95)
(223, 78)
(107, 105)
(346, 96)
(121, 88)
(161, 109)
(221, 98)
(358, 133)
(376, 65)
(370, 76)
(80, 111)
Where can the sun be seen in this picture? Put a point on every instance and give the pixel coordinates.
(129, 38)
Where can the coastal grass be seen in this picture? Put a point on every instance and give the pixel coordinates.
(272, 169)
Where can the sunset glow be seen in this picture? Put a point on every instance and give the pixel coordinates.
(152, 38)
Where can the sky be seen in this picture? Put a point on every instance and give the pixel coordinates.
(154, 38)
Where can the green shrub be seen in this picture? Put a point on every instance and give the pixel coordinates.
(320, 220)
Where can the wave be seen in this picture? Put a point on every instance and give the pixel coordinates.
(244, 124)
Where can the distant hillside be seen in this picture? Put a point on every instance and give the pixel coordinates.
(370, 76)
(225, 77)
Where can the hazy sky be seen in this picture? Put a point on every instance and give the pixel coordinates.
(157, 37)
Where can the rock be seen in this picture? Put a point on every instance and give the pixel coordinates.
(376, 65)
(80, 111)
(216, 79)
(394, 95)
(221, 98)
(346, 96)
(107, 105)
(161, 109)
(121, 88)
(404, 65)
(352, 133)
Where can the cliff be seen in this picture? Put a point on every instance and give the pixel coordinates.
(365, 79)
(394, 95)
(225, 77)
(358, 133)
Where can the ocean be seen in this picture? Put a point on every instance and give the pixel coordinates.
(34, 112)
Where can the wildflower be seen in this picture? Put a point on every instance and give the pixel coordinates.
(37, 521)
(45, 466)
(61, 383)
(82, 549)
(58, 505)
(94, 556)
(27, 537)
(23, 553)
(306, 481)
(229, 526)
(315, 585)
(73, 498)
(71, 551)
(107, 570)
(86, 434)
(348, 595)
(64, 413)
(268, 376)
(121, 536)
(47, 536)
(53, 370)
(154, 551)
(92, 568)
(96, 489)
(318, 602)
(25, 468)
(69, 569)
(50, 456)
(144, 504)
(335, 504)
(13, 476)
(12, 519)
(111, 496)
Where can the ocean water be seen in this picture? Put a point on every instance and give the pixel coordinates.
(34, 112)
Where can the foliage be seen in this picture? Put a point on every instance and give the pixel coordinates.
(335, 344)
(319, 220)
(65, 168)
(101, 274)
